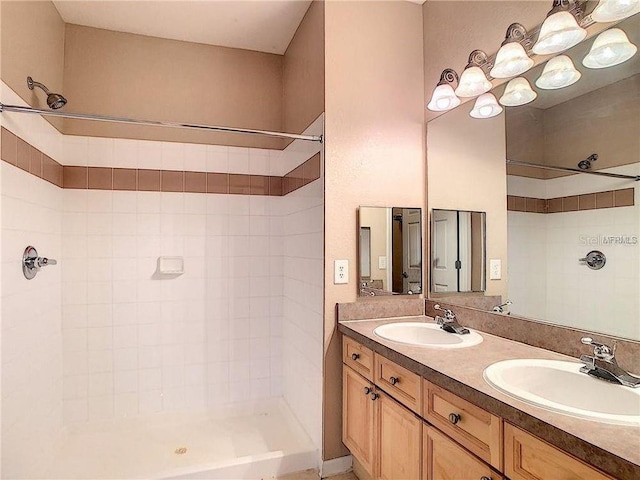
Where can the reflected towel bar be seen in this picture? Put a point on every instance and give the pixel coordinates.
(635, 178)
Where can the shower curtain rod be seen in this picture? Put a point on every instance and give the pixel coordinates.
(99, 118)
(635, 178)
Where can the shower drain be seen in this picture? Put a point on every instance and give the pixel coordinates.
(180, 451)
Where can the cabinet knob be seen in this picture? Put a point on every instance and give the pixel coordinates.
(394, 380)
(367, 390)
(355, 356)
(374, 396)
(455, 418)
(485, 478)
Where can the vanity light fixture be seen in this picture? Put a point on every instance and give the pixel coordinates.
(559, 72)
(444, 98)
(486, 106)
(610, 48)
(560, 30)
(473, 81)
(518, 92)
(612, 10)
(512, 59)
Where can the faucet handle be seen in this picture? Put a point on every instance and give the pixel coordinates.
(448, 314)
(601, 351)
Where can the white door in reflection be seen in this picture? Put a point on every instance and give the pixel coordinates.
(445, 254)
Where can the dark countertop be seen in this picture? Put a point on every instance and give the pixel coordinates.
(614, 449)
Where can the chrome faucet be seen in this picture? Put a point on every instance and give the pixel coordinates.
(603, 365)
(500, 308)
(449, 323)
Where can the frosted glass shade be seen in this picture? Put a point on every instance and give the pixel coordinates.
(473, 82)
(518, 92)
(559, 72)
(558, 32)
(612, 10)
(511, 60)
(486, 106)
(443, 99)
(610, 48)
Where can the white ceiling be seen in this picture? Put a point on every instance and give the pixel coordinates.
(261, 25)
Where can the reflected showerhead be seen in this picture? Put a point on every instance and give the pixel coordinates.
(54, 100)
(586, 163)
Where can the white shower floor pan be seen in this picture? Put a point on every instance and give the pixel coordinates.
(250, 442)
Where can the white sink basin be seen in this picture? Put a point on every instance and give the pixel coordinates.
(561, 387)
(425, 335)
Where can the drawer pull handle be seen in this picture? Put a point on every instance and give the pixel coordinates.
(367, 390)
(355, 356)
(374, 396)
(455, 418)
(394, 380)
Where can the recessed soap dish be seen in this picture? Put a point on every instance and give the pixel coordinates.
(171, 265)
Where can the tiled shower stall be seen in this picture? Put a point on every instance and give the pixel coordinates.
(104, 335)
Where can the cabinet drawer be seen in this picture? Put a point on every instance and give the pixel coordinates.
(398, 382)
(474, 428)
(445, 459)
(358, 357)
(529, 458)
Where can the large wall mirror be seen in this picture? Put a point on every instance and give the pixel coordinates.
(561, 212)
(390, 251)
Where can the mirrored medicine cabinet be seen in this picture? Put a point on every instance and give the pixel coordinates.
(389, 251)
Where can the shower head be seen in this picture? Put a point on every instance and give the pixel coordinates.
(586, 163)
(54, 100)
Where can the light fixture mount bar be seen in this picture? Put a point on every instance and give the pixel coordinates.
(448, 76)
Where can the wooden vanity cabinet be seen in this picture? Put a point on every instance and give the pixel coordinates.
(475, 429)
(529, 458)
(444, 459)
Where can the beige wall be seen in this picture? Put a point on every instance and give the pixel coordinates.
(375, 147)
(467, 171)
(303, 82)
(121, 74)
(33, 37)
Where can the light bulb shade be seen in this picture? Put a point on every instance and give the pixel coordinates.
(473, 82)
(612, 10)
(559, 72)
(518, 92)
(559, 31)
(610, 48)
(486, 106)
(511, 60)
(443, 99)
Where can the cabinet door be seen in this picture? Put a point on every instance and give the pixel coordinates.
(357, 417)
(446, 460)
(399, 441)
(529, 458)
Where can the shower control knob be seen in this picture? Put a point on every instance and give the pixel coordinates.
(355, 356)
(454, 418)
(394, 380)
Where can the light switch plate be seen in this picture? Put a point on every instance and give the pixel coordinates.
(495, 269)
(340, 271)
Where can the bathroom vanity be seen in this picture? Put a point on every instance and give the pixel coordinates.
(417, 412)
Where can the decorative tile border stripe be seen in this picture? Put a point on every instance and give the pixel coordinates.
(19, 153)
(588, 201)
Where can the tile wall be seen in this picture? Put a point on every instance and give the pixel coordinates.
(546, 279)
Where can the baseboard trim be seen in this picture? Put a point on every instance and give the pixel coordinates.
(336, 466)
